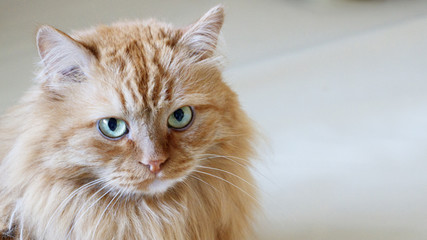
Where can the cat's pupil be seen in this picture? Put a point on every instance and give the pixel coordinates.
(112, 124)
(178, 114)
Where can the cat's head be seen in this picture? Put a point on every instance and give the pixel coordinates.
(136, 104)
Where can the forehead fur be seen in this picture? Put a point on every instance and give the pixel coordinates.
(146, 64)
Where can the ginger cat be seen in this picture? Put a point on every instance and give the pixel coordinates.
(129, 132)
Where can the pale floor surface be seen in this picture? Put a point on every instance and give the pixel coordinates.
(338, 88)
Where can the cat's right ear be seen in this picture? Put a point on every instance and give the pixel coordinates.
(62, 55)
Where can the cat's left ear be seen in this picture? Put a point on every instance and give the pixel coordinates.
(202, 36)
(61, 54)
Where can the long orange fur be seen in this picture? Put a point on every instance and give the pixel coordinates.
(60, 179)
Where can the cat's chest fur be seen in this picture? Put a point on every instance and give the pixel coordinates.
(97, 215)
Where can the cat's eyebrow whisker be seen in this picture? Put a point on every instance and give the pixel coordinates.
(232, 174)
(103, 212)
(68, 199)
(232, 184)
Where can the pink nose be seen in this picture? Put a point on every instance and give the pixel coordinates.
(154, 165)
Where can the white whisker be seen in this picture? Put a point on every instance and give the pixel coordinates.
(117, 208)
(227, 157)
(179, 204)
(203, 181)
(103, 212)
(21, 232)
(234, 185)
(87, 209)
(67, 200)
(224, 171)
(234, 159)
(215, 157)
(12, 217)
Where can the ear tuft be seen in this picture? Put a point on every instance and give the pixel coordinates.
(61, 54)
(202, 36)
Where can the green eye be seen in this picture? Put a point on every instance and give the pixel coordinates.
(112, 128)
(181, 118)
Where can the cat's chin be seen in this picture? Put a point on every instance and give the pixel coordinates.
(159, 186)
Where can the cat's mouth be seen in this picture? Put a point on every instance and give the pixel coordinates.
(141, 181)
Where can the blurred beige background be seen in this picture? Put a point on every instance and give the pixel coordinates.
(338, 88)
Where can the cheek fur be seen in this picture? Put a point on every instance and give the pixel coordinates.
(185, 145)
(108, 149)
(201, 134)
